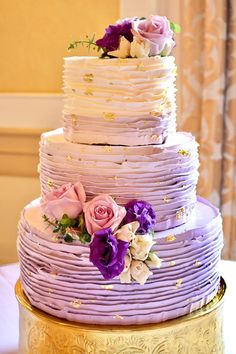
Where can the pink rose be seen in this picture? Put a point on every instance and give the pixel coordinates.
(102, 212)
(68, 199)
(155, 29)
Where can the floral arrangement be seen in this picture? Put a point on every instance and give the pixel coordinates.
(135, 38)
(120, 238)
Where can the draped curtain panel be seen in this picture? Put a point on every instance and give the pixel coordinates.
(208, 101)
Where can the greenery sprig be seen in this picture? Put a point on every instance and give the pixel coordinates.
(70, 229)
(175, 27)
(88, 43)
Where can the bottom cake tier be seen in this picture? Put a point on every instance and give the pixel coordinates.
(59, 279)
(199, 332)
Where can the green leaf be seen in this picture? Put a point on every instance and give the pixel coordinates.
(57, 229)
(68, 238)
(72, 45)
(65, 221)
(74, 222)
(142, 18)
(175, 27)
(85, 238)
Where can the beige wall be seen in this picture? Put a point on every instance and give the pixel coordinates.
(34, 36)
(15, 192)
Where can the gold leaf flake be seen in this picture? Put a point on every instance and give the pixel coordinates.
(50, 183)
(184, 153)
(166, 199)
(88, 92)
(88, 77)
(109, 116)
(107, 148)
(118, 317)
(107, 287)
(170, 238)
(172, 263)
(68, 157)
(115, 178)
(180, 213)
(82, 149)
(141, 66)
(53, 274)
(50, 290)
(155, 113)
(127, 98)
(174, 71)
(154, 137)
(178, 283)
(109, 99)
(198, 264)
(55, 238)
(76, 303)
(119, 60)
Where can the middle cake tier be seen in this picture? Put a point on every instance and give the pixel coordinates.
(163, 175)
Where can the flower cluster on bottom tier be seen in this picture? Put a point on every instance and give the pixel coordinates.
(59, 279)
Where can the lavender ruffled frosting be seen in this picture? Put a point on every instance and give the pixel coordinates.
(163, 175)
(59, 278)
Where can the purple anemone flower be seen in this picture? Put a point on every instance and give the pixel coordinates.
(141, 211)
(111, 39)
(107, 253)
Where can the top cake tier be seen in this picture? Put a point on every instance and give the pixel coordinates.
(119, 101)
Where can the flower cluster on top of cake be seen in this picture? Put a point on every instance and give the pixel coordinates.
(120, 237)
(135, 38)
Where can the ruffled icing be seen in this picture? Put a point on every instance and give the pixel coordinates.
(163, 175)
(59, 279)
(119, 101)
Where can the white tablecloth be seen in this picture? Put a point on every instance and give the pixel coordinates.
(9, 310)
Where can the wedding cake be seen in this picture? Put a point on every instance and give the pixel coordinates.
(119, 236)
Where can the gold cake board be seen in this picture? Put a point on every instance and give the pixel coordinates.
(197, 333)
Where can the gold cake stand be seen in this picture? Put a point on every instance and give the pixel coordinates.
(197, 333)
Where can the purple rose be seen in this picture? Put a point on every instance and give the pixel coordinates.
(141, 211)
(111, 40)
(107, 253)
(156, 30)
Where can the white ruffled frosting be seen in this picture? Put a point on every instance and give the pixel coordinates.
(163, 175)
(119, 101)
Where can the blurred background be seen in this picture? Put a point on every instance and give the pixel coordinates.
(34, 37)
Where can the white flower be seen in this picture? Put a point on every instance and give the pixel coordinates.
(139, 48)
(140, 246)
(127, 232)
(153, 261)
(168, 47)
(124, 49)
(125, 276)
(139, 271)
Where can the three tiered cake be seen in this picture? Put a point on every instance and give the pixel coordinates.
(119, 237)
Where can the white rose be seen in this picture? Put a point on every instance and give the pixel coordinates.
(139, 271)
(153, 261)
(139, 48)
(125, 276)
(140, 246)
(127, 232)
(123, 51)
